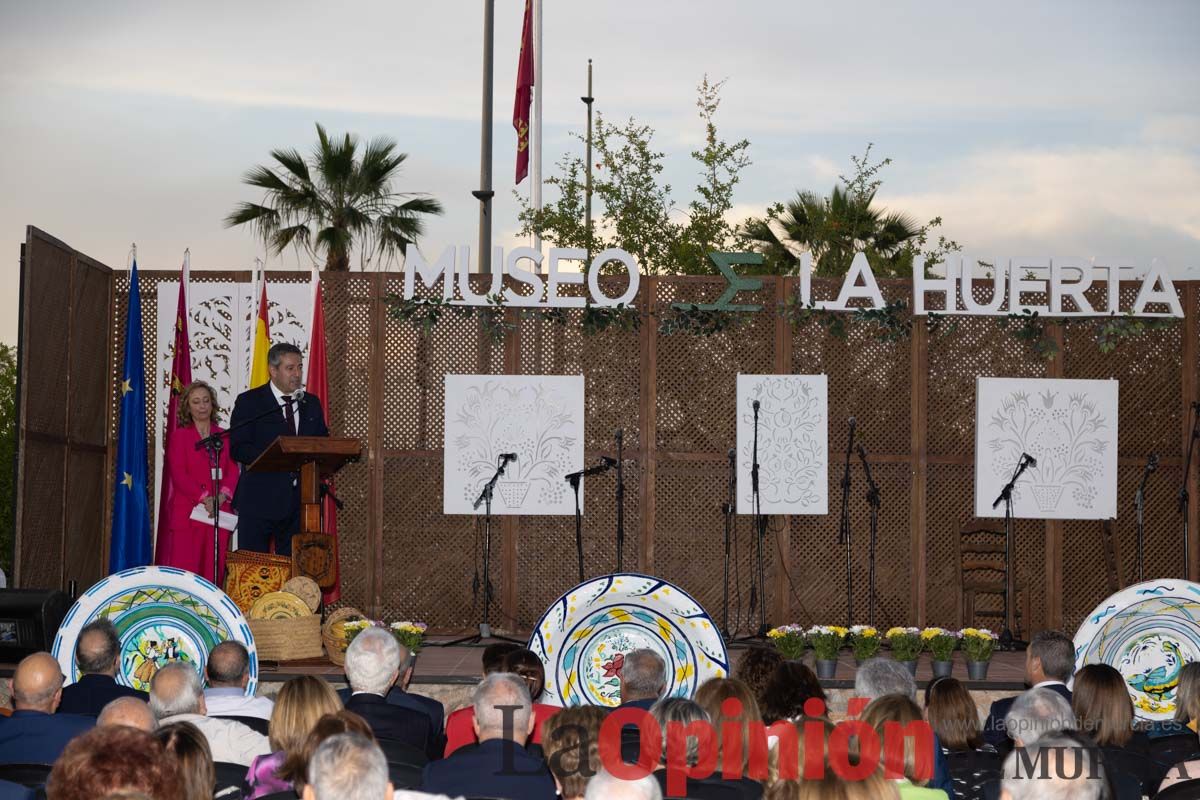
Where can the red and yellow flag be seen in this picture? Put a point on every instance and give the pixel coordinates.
(262, 343)
(317, 385)
(525, 81)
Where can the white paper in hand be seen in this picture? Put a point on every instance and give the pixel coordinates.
(227, 521)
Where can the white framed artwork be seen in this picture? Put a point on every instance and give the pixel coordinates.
(537, 417)
(793, 443)
(1068, 426)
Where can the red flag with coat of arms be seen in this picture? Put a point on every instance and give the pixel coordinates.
(525, 81)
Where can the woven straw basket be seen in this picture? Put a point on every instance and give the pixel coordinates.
(287, 639)
(332, 636)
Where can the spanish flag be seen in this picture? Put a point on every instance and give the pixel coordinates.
(262, 343)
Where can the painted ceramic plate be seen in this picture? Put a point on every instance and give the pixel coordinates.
(1148, 632)
(162, 614)
(582, 639)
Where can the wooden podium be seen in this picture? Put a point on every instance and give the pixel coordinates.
(314, 552)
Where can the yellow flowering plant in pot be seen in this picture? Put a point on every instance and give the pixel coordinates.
(789, 640)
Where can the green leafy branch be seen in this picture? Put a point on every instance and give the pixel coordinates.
(691, 318)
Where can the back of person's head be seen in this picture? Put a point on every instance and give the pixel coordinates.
(300, 703)
(187, 745)
(952, 715)
(1102, 706)
(756, 668)
(97, 648)
(877, 677)
(1037, 713)
(37, 684)
(524, 662)
(1057, 767)
(1055, 651)
(1187, 693)
(832, 787)
(373, 661)
(683, 712)
(606, 787)
(347, 766)
(494, 654)
(643, 676)
(917, 737)
(113, 759)
(176, 689)
(570, 741)
(131, 711)
(728, 701)
(503, 709)
(791, 685)
(228, 665)
(295, 764)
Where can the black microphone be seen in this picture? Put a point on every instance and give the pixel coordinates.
(608, 461)
(755, 405)
(1030, 460)
(1152, 463)
(506, 457)
(620, 434)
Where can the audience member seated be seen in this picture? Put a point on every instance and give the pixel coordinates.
(756, 667)
(184, 742)
(399, 695)
(176, 695)
(295, 768)
(300, 703)
(114, 759)
(1049, 662)
(671, 711)
(372, 667)
(918, 765)
(228, 673)
(1036, 713)
(34, 734)
(789, 687)
(605, 787)
(460, 726)
(714, 696)
(348, 766)
(879, 677)
(98, 656)
(1104, 711)
(826, 785)
(128, 711)
(528, 667)
(571, 742)
(955, 721)
(1071, 772)
(643, 680)
(1173, 743)
(499, 766)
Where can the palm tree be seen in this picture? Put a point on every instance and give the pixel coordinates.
(833, 229)
(335, 201)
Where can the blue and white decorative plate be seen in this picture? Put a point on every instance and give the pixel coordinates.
(162, 614)
(1147, 632)
(583, 637)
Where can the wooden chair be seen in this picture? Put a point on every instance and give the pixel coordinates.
(981, 574)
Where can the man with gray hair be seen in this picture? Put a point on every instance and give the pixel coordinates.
(348, 766)
(879, 677)
(1049, 663)
(98, 656)
(606, 787)
(1056, 768)
(128, 711)
(643, 679)
(176, 695)
(499, 766)
(372, 667)
(1035, 714)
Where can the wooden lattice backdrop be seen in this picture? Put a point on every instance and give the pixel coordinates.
(674, 398)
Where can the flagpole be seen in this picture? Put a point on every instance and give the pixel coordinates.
(536, 188)
(484, 193)
(588, 100)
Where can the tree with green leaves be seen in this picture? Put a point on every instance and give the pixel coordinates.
(338, 200)
(8, 455)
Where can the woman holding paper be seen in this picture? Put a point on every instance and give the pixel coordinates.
(187, 542)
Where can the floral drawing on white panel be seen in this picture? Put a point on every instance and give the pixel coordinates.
(539, 418)
(793, 443)
(1068, 426)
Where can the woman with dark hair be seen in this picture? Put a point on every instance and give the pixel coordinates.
(1104, 711)
(755, 668)
(790, 686)
(954, 718)
(528, 667)
(186, 744)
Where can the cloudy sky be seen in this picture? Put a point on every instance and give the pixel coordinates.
(1065, 128)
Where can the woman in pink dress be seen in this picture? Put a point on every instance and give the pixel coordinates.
(186, 543)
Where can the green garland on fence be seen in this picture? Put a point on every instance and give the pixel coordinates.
(1111, 332)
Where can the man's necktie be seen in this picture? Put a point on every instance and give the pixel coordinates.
(291, 415)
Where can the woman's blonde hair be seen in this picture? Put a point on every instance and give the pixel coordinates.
(184, 414)
(898, 708)
(186, 744)
(713, 693)
(300, 703)
(1187, 694)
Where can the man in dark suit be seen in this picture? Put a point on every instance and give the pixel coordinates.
(643, 677)
(499, 766)
(400, 696)
(34, 734)
(97, 654)
(1049, 662)
(372, 668)
(268, 503)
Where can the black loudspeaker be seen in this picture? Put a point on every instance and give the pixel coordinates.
(29, 620)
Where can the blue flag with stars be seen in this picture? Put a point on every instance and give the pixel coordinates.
(131, 546)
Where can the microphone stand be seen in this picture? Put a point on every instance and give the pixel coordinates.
(873, 501)
(1007, 642)
(620, 498)
(844, 527)
(576, 479)
(727, 508)
(1184, 499)
(760, 530)
(1139, 505)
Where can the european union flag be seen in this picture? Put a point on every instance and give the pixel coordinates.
(131, 545)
